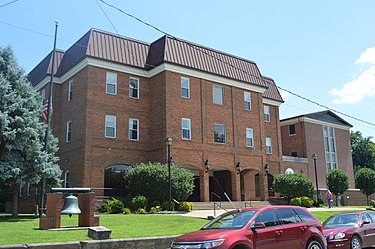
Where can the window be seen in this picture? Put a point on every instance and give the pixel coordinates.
(70, 90)
(43, 93)
(111, 83)
(268, 145)
(303, 215)
(249, 137)
(186, 129)
(247, 100)
(288, 216)
(266, 113)
(28, 189)
(292, 129)
(134, 88)
(110, 126)
(133, 129)
(330, 147)
(268, 217)
(185, 87)
(294, 154)
(66, 179)
(219, 134)
(68, 131)
(218, 95)
(20, 190)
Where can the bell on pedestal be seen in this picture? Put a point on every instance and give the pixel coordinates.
(71, 205)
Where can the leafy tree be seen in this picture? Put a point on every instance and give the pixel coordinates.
(22, 155)
(293, 185)
(337, 182)
(363, 151)
(151, 181)
(365, 181)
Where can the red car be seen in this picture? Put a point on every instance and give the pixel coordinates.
(267, 227)
(350, 230)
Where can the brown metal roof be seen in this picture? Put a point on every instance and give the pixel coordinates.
(119, 49)
(272, 92)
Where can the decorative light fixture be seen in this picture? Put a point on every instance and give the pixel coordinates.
(168, 142)
(314, 157)
(207, 165)
(266, 169)
(238, 167)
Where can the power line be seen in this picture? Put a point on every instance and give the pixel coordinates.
(113, 26)
(233, 66)
(8, 3)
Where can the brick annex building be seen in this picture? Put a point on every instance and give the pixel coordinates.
(116, 100)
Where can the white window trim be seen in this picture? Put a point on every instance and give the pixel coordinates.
(107, 83)
(222, 94)
(105, 128)
(68, 131)
(130, 88)
(182, 128)
(329, 147)
(266, 107)
(20, 190)
(130, 120)
(270, 145)
(43, 93)
(252, 138)
(28, 189)
(225, 133)
(70, 90)
(66, 178)
(188, 87)
(244, 99)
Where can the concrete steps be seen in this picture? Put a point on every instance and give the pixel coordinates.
(227, 204)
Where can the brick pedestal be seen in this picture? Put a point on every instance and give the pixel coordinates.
(53, 215)
(86, 203)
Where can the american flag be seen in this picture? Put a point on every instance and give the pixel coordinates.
(45, 111)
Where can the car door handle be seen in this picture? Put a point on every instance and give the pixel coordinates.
(279, 232)
(303, 228)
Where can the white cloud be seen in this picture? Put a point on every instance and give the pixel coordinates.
(361, 87)
(284, 94)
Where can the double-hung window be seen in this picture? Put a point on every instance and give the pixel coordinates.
(218, 95)
(219, 134)
(249, 137)
(268, 145)
(134, 88)
(68, 137)
(185, 87)
(292, 130)
(247, 100)
(70, 90)
(66, 179)
(111, 83)
(186, 129)
(133, 129)
(110, 126)
(266, 113)
(330, 147)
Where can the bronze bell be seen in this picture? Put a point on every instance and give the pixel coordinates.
(71, 205)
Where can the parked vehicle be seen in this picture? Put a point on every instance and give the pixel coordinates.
(264, 227)
(350, 230)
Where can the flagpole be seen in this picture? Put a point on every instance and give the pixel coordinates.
(48, 118)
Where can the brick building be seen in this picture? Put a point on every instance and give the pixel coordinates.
(325, 134)
(116, 100)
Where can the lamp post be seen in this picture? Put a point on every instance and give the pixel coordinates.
(315, 156)
(238, 168)
(168, 142)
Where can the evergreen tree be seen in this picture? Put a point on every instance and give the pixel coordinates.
(22, 155)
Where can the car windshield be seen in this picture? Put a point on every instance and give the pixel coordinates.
(231, 220)
(341, 220)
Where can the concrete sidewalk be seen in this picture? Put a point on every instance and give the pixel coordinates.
(205, 213)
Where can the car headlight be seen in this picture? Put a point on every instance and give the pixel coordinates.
(336, 236)
(212, 243)
(203, 245)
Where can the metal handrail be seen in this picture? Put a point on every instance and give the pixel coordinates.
(248, 203)
(215, 204)
(218, 196)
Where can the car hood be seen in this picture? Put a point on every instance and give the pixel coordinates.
(337, 229)
(204, 235)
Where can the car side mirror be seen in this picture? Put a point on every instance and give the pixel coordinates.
(258, 225)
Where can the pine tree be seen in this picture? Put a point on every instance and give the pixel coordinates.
(22, 155)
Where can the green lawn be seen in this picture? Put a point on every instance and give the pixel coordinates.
(26, 228)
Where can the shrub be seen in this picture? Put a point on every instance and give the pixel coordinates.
(139, 201)
(318, 203)
(116, 206)
(141, 211)
(372, 203)
(165, 206)
(127, 211)
(104, 208)
(296, 201)
(185, 206)
(156, 204)
(155, 210)
(306, 202)
(293, 185)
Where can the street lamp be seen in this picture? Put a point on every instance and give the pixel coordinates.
(238, 167)
(168, 142)
(315, 156)
(266, 169)
(207, 165)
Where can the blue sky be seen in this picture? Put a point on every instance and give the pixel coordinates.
(322, 50)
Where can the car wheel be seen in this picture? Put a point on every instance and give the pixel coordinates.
(314, 245)
(355, 242)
